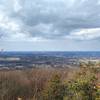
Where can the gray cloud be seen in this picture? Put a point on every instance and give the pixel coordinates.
(49, 19)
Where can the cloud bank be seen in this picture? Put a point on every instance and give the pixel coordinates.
(50, 20)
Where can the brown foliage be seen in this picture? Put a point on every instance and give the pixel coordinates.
(26, 84)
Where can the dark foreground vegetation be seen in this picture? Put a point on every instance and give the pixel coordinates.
(51, 84)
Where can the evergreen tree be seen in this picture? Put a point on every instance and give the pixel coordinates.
(54, 90)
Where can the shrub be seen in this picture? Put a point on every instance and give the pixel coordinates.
(54, 90)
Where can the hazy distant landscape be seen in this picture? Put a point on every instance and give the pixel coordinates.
(25, 60)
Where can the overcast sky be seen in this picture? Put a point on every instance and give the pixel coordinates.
(50, 25)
